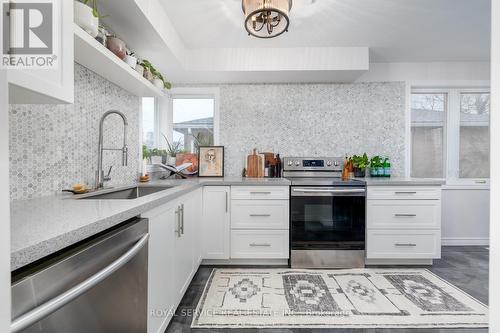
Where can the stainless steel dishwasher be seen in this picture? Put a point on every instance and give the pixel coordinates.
(97, 286)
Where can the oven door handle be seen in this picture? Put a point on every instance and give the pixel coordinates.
(327, 191)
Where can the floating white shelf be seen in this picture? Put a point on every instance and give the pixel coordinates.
(96, 57)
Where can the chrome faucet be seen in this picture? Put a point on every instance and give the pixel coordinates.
(100, 178)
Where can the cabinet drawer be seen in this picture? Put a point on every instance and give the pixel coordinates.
(259, 192)
(259, 214)
(407, 214)
(259, 244)
(403, 244)
(404, 192)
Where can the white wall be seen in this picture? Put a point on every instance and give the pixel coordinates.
(4, 207)
(494, 299)
(433, 72)
(466, 215)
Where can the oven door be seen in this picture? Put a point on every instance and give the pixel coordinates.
(327, 218)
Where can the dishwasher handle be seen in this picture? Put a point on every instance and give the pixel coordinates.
(56, 303)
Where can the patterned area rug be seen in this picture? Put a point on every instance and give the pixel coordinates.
(363, 298)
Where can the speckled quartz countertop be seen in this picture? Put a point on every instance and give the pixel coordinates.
(42, 226)
(403, 181)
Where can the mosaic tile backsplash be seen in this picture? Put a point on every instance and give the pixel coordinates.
(55, 146)
(313, 120)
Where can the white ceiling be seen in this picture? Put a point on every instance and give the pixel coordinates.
(394, 30)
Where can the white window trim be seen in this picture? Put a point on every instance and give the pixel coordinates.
(452, 128)
(156, 137)
(188, 92)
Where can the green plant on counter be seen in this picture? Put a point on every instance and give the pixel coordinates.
(146, 153)
(360, 162)
(173, 148)
(376, 162)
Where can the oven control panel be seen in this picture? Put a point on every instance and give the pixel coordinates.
(313, 164)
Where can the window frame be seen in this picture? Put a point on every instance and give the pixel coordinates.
(192, 93)
(445, 123)
(451, 140)
(156, 136)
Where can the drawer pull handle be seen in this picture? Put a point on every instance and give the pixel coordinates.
(260, 215)
(260, 245)
(405, 192)
(480, 182)
(260, 192)
(405, 215)
(405, 244)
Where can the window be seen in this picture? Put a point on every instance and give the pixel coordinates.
(193, 122)
(149, 122)
(474, 135)
(428, 116)
(450, 133)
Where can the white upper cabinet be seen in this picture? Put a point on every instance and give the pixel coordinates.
(48, 86)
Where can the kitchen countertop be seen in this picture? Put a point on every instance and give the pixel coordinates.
(43, 226)
(402, 181)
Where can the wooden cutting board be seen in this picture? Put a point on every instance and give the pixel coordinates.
(254, 163)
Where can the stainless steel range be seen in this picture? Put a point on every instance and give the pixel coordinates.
(327, 214)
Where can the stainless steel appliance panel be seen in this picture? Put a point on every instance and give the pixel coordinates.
(99, 287)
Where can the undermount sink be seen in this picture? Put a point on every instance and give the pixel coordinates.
(125, 193)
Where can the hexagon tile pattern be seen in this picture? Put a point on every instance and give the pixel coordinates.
(313, 120)
(55, 146)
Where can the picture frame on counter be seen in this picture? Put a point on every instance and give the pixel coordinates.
(211, 161)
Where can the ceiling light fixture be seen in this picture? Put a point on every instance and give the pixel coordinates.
(266, 18)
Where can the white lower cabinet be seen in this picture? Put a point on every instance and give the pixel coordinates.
(259, 214)
(174, 256)
(260, 222)
(216, 222)
(259, 244)
(403, 223)
(404, 244)
(161, 295)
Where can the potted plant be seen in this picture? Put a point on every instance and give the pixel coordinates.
(130, 59)
(360, 163)
(86, 15)
(157, 81)
(172, 150)
(148, 70)
(146, 153)
(139, 68)
(375, 165)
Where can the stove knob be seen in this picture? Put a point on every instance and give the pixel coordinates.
(297, 163)
(329, 163)
(290, 163)
(336, 163)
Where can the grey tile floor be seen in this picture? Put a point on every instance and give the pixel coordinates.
(465, 267)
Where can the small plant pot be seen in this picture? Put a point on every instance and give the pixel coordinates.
(117, 46)
(131, 61)
(148, 75)
(373, 172)
(171, 160)
(156, 159)
(158, 83)
(85, 19)
(359, 173)
(139, 69)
